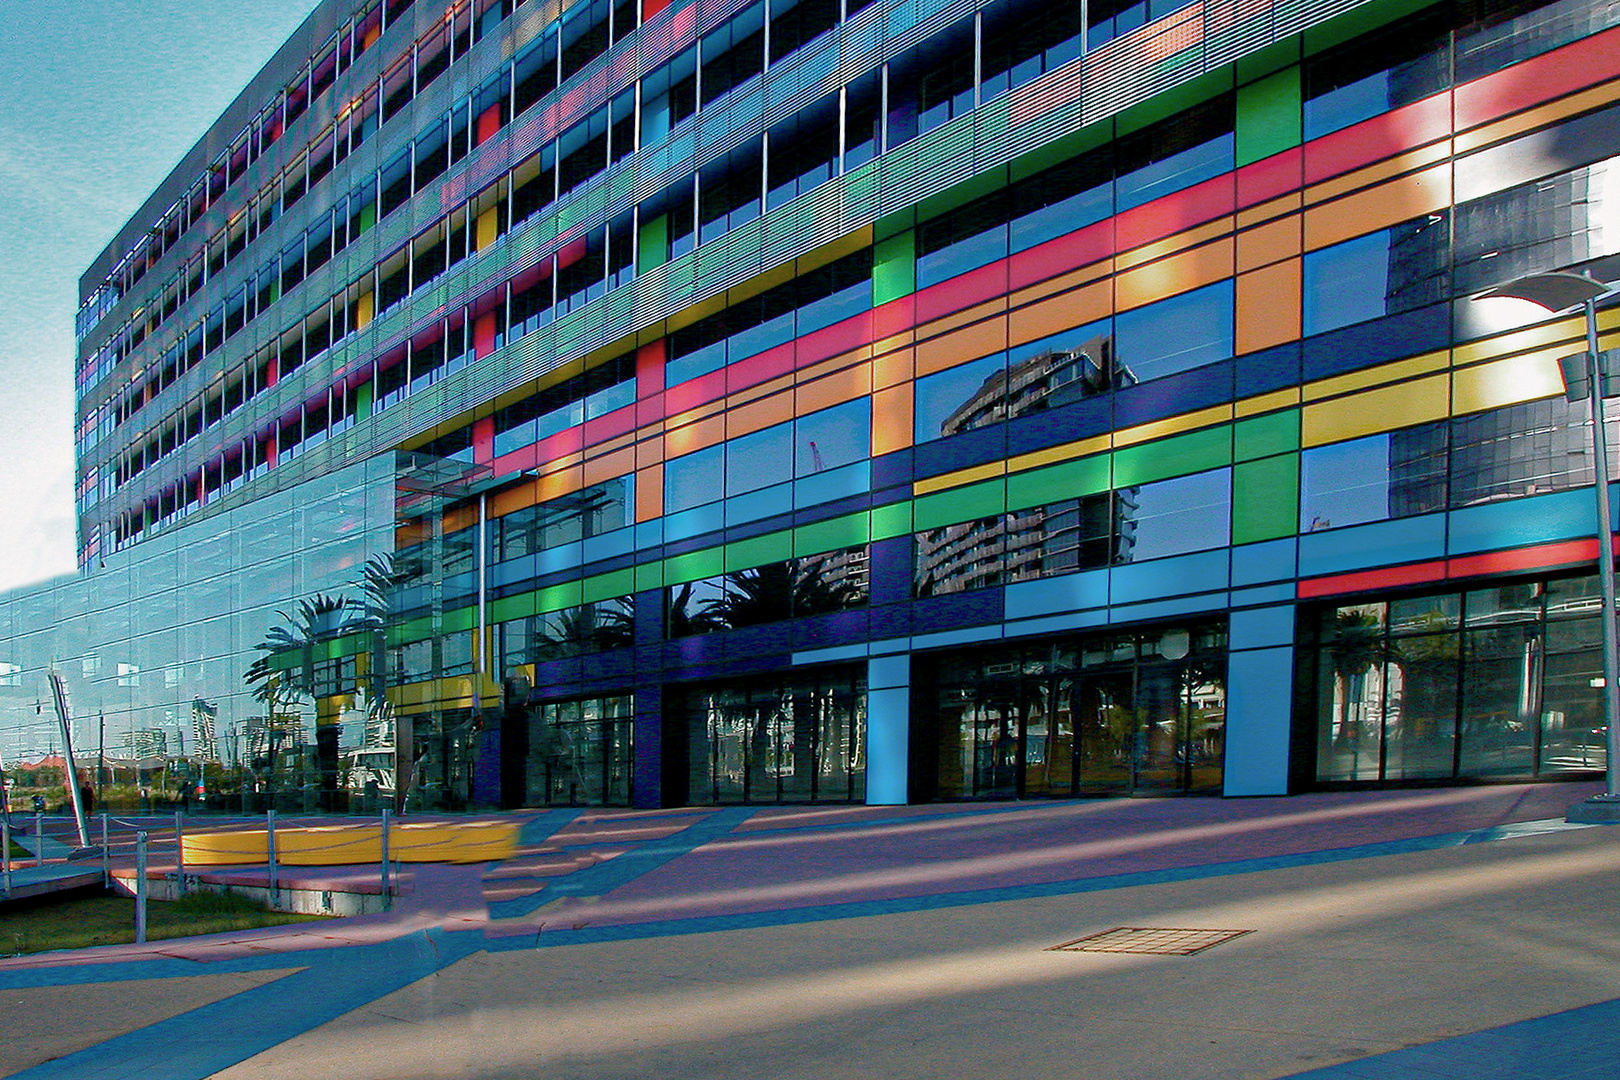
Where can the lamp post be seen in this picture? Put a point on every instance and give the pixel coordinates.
(1586, 376)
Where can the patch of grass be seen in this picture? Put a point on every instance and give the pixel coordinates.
(82, 921)
(20, 852)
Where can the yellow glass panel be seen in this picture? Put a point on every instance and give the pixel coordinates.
(1384, 409)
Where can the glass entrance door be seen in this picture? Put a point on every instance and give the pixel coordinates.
(1138, 712)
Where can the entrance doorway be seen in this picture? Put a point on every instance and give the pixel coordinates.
(1128, 713)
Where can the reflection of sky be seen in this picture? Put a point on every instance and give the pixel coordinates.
(1344, 484)
(1177, 334)
(1347, 283)
(841, 435)
(1189, 513)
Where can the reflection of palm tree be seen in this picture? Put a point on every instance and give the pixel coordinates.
(1356, 647)
(683, 619)
(780, 591)
(609, 624)
(314, 621)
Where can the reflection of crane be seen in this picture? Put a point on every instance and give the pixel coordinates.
(815, 457)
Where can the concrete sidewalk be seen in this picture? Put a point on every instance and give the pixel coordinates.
(1447, 932)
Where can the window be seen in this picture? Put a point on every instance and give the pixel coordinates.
(1391, 475)
(1177, 334)
(1383, 273)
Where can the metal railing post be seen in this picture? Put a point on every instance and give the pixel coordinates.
(270, 850)
(5, 854)
(39, 838)
(179, 853)
(106, 856)
(140, 887)
(384, 855)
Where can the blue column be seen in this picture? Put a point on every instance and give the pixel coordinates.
(888, 729)
(1259, 700)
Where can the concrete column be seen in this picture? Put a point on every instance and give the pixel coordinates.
(888, 729)
(1259, 700)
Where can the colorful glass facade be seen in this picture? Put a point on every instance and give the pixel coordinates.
(808, 401)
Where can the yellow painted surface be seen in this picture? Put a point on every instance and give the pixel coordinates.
(345, 845)
(958, 478)
(1507, 382)
(1395, 371)
(1384, 409)
(484, 232)
(1264, 403)
(1096, 444)
(365, 309)
(1173, 425)
(1570, 331)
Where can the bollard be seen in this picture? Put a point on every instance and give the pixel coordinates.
(384, 859)
(140, 888)
(179, 855)
(5, 854)
(270, 849)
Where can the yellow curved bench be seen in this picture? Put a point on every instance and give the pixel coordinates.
(344, 845)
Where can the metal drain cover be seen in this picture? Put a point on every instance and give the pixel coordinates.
(1151, 940)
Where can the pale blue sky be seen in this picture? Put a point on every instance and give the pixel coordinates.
(98, 101)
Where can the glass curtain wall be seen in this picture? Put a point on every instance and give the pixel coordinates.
(580, 753)
(1500, 682)
(797, 737)
(1140, 711)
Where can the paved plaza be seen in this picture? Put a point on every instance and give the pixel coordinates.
(1456, 932)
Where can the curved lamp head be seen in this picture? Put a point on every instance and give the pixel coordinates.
(1556, 291)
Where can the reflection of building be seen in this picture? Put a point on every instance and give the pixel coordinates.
(147, 743)
(204, 739)
(267, 737)
(1036, 541)
(451, 352)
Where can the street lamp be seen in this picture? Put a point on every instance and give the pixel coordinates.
(1586, 376)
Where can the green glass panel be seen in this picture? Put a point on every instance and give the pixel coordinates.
(1262, 436)
(368, 216)
(965, 192)
(1269, 59)
(1037, 487)
(609, 586)
(1269, 116)
(508, 608)
(891, 521)
(693, 566)
(1265, 499)
(557, 597)
(894, 268)
(1358, 20)
(1175, 456)
(1058, 151)
(649, 576)
(362, 401)
(759, 550)
(1177, 99)
(835, 533)
(460, 619)
(965, 503)
(652, 248)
